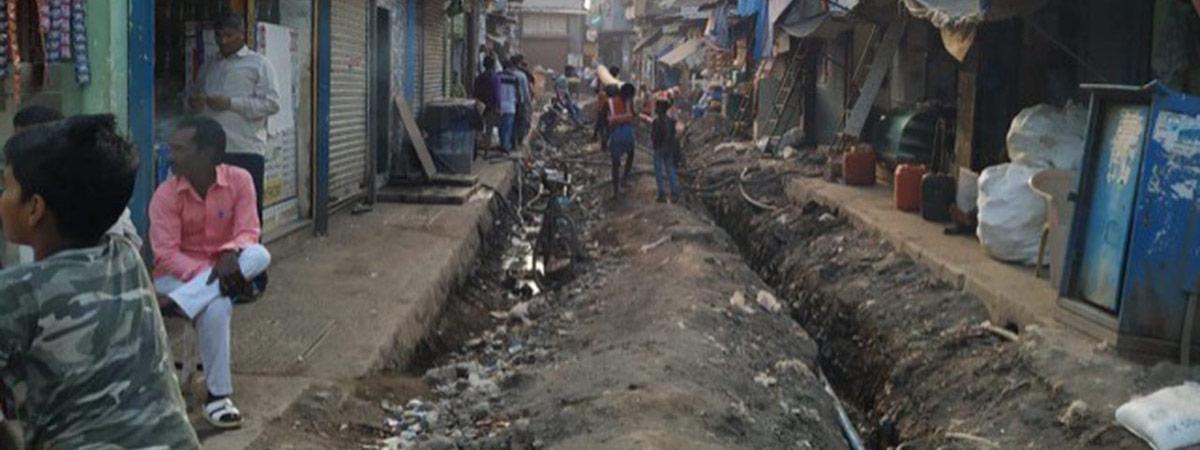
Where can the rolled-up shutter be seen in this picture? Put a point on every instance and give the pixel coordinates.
(348, 100)
(433, 84)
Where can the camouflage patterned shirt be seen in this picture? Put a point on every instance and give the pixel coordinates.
(85, 356)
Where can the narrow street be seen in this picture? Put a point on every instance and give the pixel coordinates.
(715, 324)
(408, 224)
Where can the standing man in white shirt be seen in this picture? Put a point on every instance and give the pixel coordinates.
(237, 89)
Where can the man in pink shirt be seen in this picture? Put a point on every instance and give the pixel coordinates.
(204, 229)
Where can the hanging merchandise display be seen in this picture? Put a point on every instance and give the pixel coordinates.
(14, 50)
(78, 27)
(5, 66)
(54, 19)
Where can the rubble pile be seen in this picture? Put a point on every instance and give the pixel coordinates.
(469, 412)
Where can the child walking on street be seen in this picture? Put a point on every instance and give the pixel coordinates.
(664, 138)
(620, 133)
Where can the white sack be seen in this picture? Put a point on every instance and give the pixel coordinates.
(1168, 419)
(1048, 137)
(1011, 215)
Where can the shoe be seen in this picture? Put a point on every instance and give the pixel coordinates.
(675, 198)
(660, 199)
(222, 414)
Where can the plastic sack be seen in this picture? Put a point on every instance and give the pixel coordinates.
(1048, 137)
(1168, 419)
(1011, 215)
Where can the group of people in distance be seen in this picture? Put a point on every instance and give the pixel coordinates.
(615, 129)
(84, 357)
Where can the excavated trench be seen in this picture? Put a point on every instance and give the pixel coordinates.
(905, 351)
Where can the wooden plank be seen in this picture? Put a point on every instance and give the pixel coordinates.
(444, 179)
(440, 195)
(964, 135)
(875, 75)
(414, 133)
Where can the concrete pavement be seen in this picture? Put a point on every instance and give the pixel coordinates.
(343, 306)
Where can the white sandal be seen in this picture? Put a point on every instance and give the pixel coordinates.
(222, 414)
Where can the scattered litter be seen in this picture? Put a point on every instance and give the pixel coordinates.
(1074, 412)
(1001, 332)
(788, 152)
(1168, 419)
(738, 301)
(765, 380)
(826, 218)
(768, 301)
(794, 365)
(972, 438)
(739, 147)
(655, 244)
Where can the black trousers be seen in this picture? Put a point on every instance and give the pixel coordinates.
(257, 166)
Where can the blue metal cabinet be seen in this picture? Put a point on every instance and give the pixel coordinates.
(1133, 259)
(1112, 194)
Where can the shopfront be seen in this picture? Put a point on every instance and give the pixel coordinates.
(282, 31)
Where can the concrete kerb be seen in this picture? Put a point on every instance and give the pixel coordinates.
(413, 329)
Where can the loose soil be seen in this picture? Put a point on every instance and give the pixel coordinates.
(906, 349)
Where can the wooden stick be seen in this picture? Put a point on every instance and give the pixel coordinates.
(972, 438)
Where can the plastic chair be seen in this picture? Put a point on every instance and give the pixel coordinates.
(1054, 185)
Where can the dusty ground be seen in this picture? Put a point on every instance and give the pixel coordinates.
(641, 349)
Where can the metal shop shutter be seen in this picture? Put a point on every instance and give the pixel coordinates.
(348, 100)
(434, 66)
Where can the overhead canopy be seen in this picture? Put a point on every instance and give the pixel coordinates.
(811, 19)
(682, 52)
(648, 40)
(660, 48)
(958, 19)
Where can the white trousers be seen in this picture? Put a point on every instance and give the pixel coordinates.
(211, 314)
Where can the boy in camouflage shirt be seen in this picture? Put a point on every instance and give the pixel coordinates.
(82, 345)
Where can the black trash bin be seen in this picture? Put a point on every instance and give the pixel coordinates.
(451, 124)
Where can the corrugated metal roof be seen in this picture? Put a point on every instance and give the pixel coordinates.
(568, 5)
(682, 52)
(810, 18)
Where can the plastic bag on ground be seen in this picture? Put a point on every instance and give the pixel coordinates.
(1011, 215)
(1168, 419)
(1048, 137)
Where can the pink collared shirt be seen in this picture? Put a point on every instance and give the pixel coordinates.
(188, 233)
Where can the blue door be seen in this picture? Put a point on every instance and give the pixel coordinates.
(1164, 254)
(1114, 184)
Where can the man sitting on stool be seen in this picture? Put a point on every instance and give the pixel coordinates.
(204, 229)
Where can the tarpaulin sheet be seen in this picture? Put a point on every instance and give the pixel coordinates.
(649, 40)
(809, 18)
(957, 19)
(682, 52)
(748, 7)
(663, 46)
